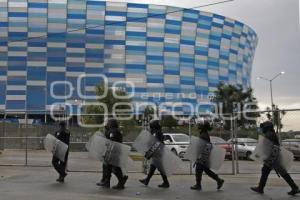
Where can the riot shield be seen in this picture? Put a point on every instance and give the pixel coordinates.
(108, 151)
(56, 147)
(96, 147)
(161, 156)
(286, 158)
(198, 146)
(195, 148)
(216, 158)
(265, 149)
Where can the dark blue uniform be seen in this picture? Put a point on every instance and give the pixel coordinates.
(112, 133)
(60, 166)
(155, 130)
(202, 165)
(273, 163)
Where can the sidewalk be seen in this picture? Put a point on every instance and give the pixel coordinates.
(39, 184)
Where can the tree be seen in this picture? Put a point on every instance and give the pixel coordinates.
(233, 99)
(276, 117)
(109, 100)
(168, 121)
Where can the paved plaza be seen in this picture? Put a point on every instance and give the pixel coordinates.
(38, 182)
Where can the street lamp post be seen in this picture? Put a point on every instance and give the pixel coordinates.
(271, 90)
(271, 86)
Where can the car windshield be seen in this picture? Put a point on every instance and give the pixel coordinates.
(217, 140)
(181, 138)
(246, 141)
(250, 142)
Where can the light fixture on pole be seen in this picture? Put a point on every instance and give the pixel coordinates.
(271, 90)
(271, 86)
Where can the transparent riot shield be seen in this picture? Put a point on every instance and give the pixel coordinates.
(286, 158)
(56, 147)
(108, 151)
(217, 157)
(195, 148)
(161, 157)
(265, 149)
(198, 146)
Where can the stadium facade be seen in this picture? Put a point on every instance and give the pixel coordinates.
(170, 54)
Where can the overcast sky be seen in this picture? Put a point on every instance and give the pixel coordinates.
(277, 24)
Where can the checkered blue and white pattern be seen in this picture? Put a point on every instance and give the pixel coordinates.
(170, 54)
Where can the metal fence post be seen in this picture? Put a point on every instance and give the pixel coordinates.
(190, 135)
(3, 134)
(232, 149)
(26, 140)
(279, 126)
(236, 148)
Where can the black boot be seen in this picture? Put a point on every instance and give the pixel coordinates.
(100, 183)
(106, 184)
(220, 183)
(197, 186)
(214, 176)
(257, 189)
(106, 181)
(121, 184)
(165, 184)
(263, 180)
(146, 180)
(125, 178)
(292, 184)
(261, 185)
(122, 179)
(294, 191)
(61, 178)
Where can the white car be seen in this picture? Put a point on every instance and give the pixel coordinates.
(177, 143)
(245, 147)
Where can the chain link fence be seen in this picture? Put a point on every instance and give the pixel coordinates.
(21, 141)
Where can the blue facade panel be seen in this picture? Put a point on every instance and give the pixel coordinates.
(161, 49)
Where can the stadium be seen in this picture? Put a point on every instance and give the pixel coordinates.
(56, 52)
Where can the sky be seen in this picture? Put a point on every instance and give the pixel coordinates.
(276, 23)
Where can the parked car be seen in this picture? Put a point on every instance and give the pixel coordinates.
(177, 143)
(222, 143)
(292, 145)
(245, 147)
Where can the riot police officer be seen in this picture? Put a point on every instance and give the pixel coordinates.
(63, 135)
(155, 130)
(113, 133)
(273, 162)
(202, 163)
(102, 182)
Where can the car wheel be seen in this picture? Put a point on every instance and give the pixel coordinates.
(248, 154)
(174, 151)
